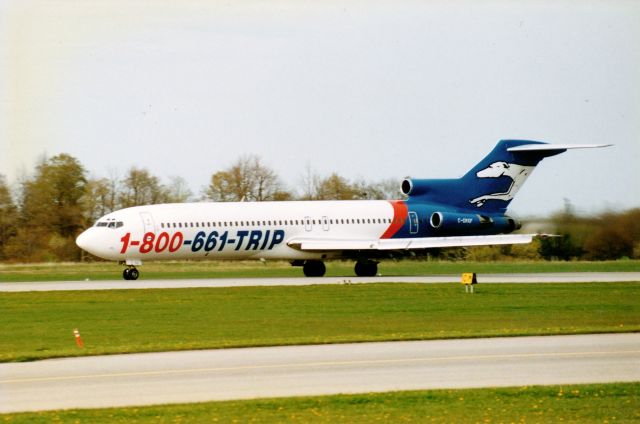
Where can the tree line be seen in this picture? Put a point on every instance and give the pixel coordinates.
(45, 211)
(41, 217)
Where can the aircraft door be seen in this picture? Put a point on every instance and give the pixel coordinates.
(413, 222)
(147, 221)
(325, 223)
(307, 224)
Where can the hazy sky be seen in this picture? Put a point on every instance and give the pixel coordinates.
(366, 89)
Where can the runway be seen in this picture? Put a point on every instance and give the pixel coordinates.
(192, 376)
(559, 277)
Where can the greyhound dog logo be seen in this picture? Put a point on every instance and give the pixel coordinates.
(517, 173)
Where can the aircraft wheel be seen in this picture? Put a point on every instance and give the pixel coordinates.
(366, 268)
(133, 274)
(314, 268)
(126, 274)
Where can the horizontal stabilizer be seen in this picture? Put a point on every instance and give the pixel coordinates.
(407, 243)
(551, 147)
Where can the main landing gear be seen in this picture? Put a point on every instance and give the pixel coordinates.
(366, 268)
(130, 273)
(316, 268)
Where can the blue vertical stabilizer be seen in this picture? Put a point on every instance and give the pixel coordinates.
(489, 186)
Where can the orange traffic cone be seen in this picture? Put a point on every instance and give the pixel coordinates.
(79, 342)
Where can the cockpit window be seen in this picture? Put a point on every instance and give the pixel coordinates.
(110, 224)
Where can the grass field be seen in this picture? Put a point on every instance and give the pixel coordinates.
(598, 403)
(230, 269)
(39, 325)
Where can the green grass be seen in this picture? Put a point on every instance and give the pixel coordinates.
(596, 403)
(39, 325)
(232, 269)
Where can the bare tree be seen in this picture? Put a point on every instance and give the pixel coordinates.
(246, 179)
(97, 199)
(310, 183)
(141, 188)
(178, 190)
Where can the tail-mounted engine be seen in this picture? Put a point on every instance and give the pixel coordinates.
(453, 222)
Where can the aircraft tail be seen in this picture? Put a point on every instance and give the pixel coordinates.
(489, 186)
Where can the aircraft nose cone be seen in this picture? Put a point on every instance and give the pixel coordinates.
(82, 241)
(87, 241)
(98, 243)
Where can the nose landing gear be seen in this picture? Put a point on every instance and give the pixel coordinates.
(130, 273)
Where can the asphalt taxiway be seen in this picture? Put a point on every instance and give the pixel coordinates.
(192, 376)
(559, 277)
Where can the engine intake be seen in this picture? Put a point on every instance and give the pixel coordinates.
(413, 187)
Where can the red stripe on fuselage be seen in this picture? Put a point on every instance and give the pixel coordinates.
(400, 212)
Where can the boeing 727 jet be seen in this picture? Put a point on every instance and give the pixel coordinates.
(467, 211)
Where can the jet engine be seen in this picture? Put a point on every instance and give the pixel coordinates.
(454, 221)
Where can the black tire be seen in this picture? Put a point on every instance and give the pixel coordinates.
(314, 268)
(125, 274)
(366, 269)
(133, 274)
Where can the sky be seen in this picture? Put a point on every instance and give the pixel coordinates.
(370, 90)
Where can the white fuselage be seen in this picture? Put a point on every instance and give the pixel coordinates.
(249, 230)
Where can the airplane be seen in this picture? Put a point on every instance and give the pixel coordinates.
(467, 211)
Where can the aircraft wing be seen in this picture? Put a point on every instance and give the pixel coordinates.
(324, 244)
